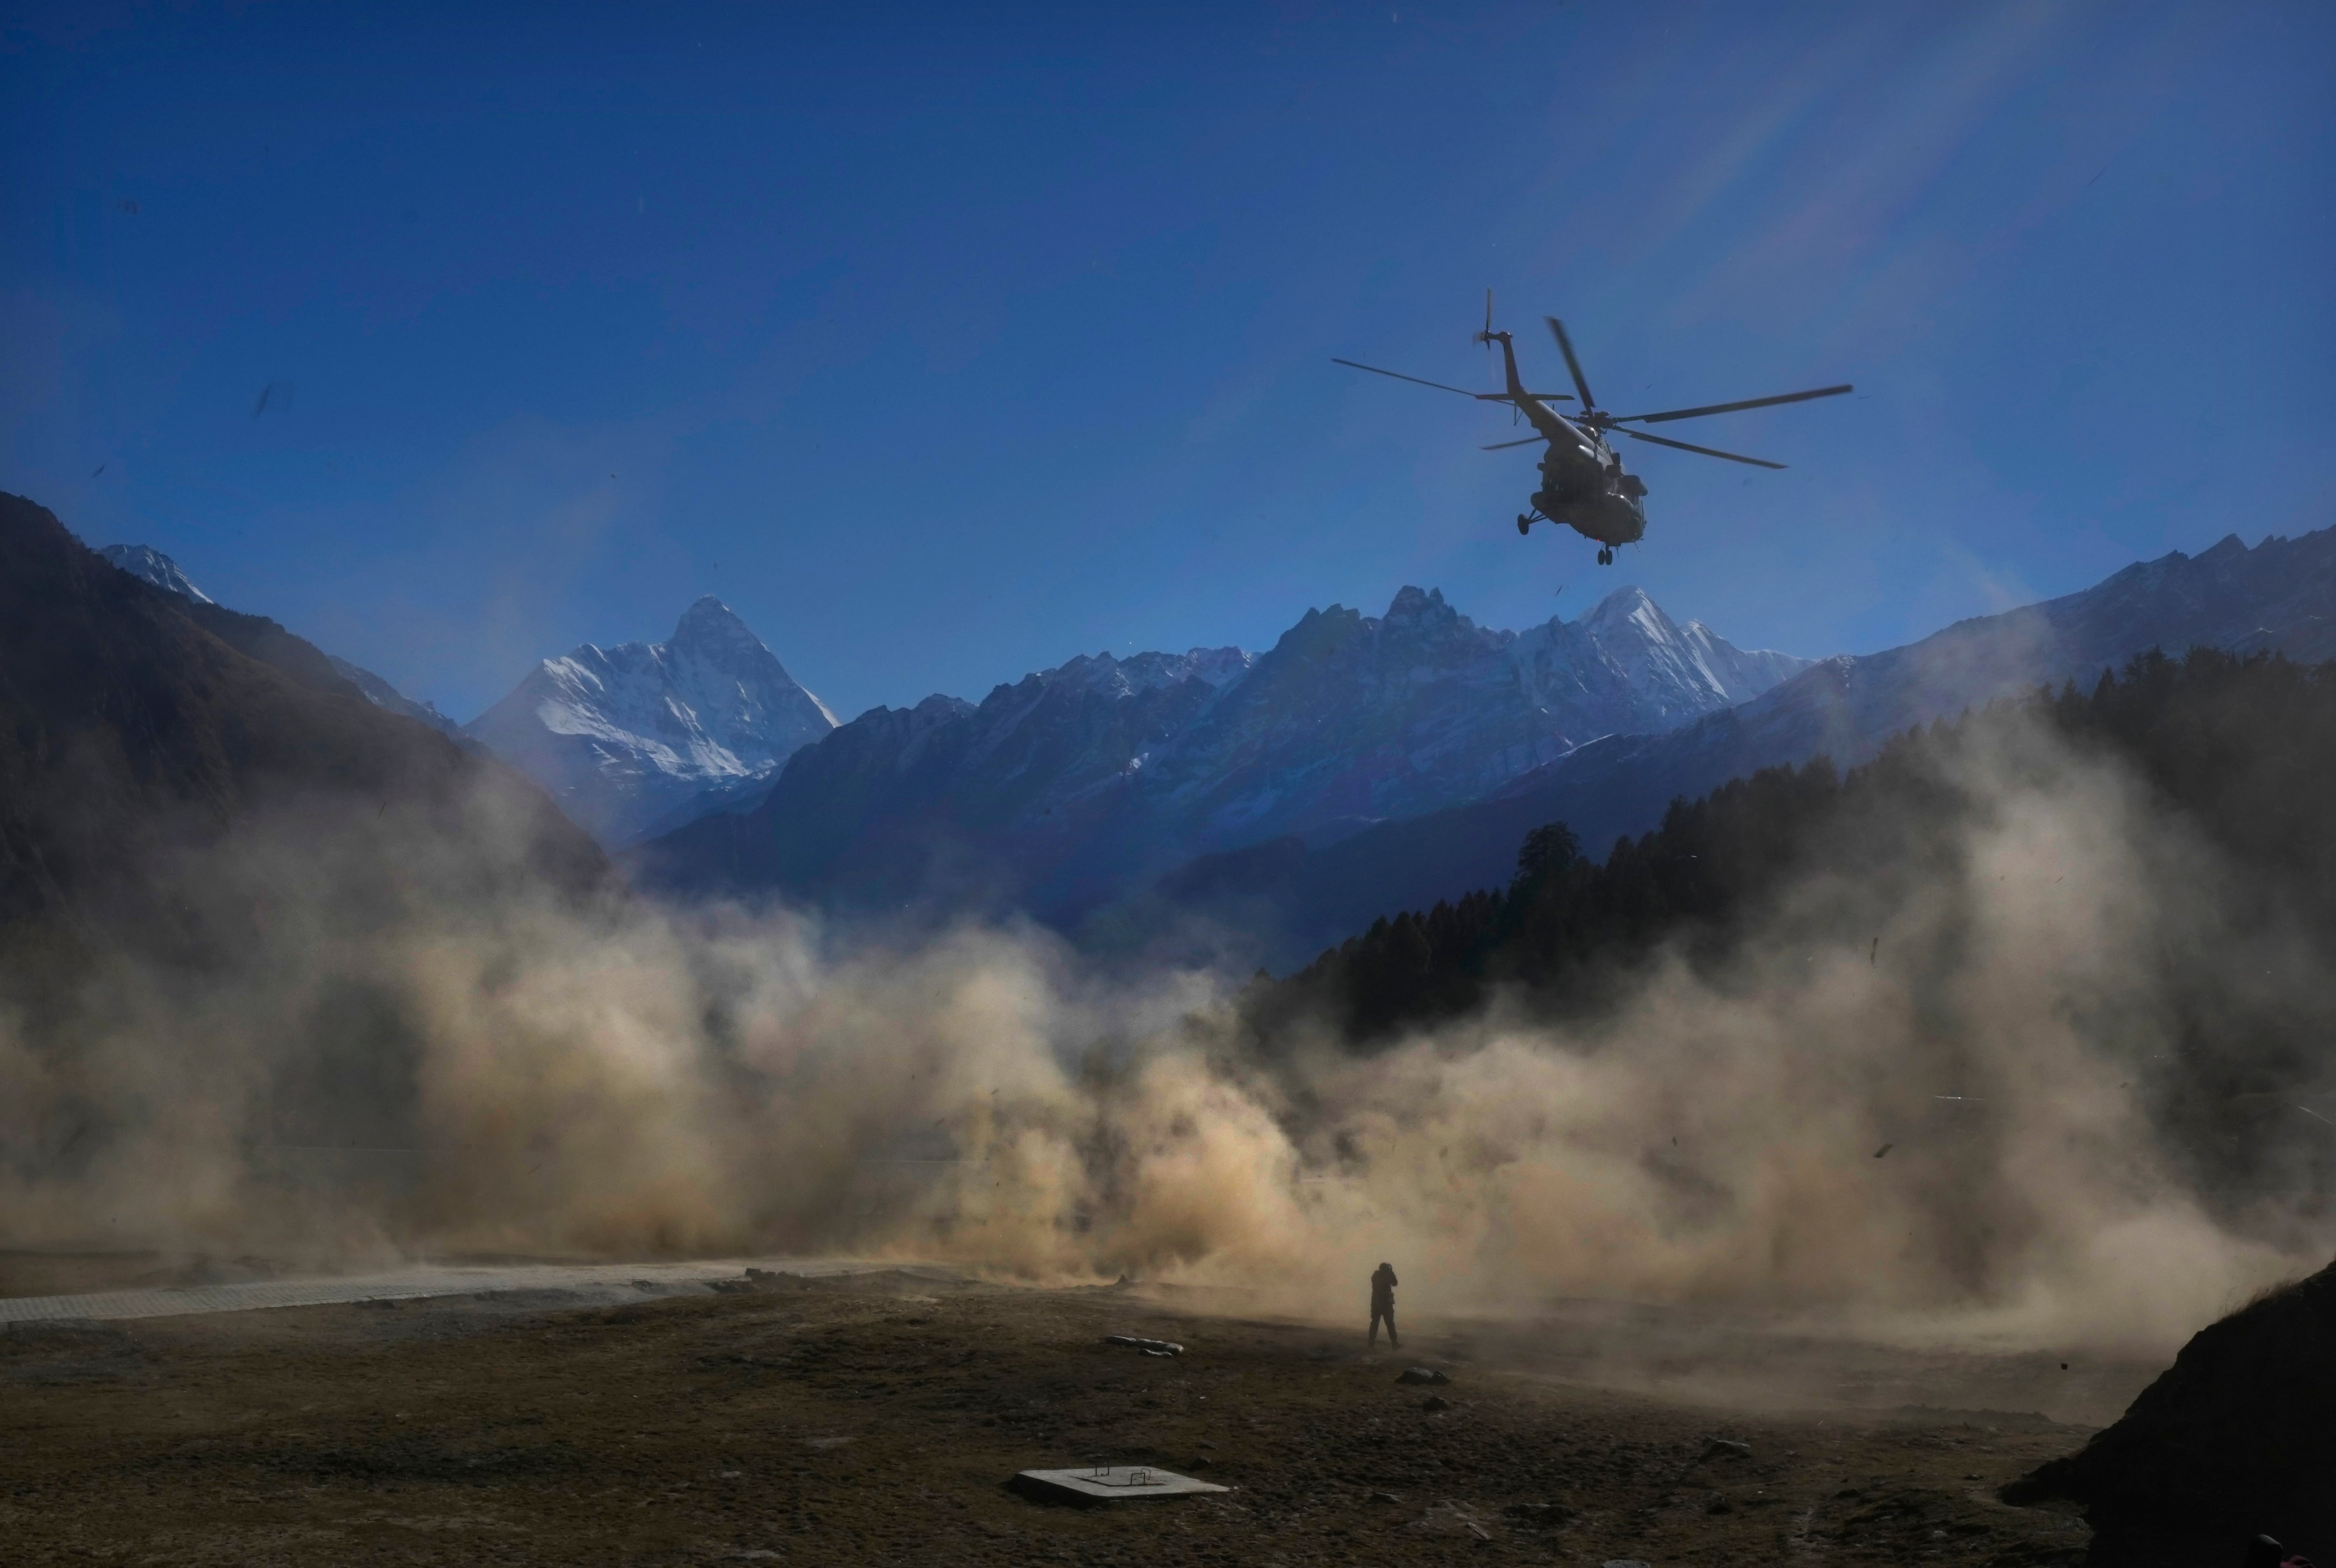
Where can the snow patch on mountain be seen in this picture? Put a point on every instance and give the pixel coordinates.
(625, 737)
(1218, 667)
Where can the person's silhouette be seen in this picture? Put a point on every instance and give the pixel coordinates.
(1383, 1305)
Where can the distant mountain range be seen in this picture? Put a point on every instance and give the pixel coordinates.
(642, 736)
(1297, 897)
(1064, 790)
(1361, 765)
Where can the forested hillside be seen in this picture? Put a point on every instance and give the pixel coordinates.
(2216, 768)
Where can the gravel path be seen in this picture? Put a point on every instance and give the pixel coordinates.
(593, 1281)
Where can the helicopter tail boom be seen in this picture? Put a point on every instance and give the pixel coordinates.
(1551, 425)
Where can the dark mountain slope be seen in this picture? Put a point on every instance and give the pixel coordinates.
(265, 640)
(138, 727)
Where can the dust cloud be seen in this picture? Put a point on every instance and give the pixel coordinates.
(389, 1073)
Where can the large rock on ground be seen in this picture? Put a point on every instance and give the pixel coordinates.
(2237, 1438)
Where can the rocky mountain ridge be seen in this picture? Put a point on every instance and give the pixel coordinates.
(1053, 792)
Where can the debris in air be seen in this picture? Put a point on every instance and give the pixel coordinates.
(1149, 1347)
(1883, 1150)
(276, 394)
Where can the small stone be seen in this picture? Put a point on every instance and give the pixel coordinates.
(1435, 1402)
(1450, 1518)
(1149, 1347)
(1725, 1448)
(1421, 1375)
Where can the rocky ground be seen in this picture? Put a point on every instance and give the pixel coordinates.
(877, 1420)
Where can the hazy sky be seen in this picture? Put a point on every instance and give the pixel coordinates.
(947, 342)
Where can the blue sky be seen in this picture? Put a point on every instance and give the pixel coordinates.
(944, 343)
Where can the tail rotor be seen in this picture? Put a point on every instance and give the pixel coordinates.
(1487, 338)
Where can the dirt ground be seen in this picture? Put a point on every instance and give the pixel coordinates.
(876, 1419)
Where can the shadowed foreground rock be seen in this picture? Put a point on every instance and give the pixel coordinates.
(2238, 1437)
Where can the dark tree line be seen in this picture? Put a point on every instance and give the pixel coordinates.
(2240, 750)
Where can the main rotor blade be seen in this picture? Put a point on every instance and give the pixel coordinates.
(1732, 407)
(1707, 451)
(1528, 441)
(1565, 347)
(1536, 397)
(1400, 375)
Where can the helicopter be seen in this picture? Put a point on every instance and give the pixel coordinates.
(1583, 484)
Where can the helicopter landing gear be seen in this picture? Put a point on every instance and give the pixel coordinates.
(1606, 556)
(1523, 525)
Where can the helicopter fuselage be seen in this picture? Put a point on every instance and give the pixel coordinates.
(1584, 486)
(1583, 483)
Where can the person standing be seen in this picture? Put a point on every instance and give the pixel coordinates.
(1383, 1305)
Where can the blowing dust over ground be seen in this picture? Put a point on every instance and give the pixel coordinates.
(621, 1080)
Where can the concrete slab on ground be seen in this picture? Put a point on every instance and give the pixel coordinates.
(1096, 1484)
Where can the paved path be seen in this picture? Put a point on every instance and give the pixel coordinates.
(426, 1280)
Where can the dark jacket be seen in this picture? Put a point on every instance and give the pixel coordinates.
(1383, 1287)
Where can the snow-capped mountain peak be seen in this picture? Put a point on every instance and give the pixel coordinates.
(147, 564)
(625, 735)
(1683, 669)
(1629, 606)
